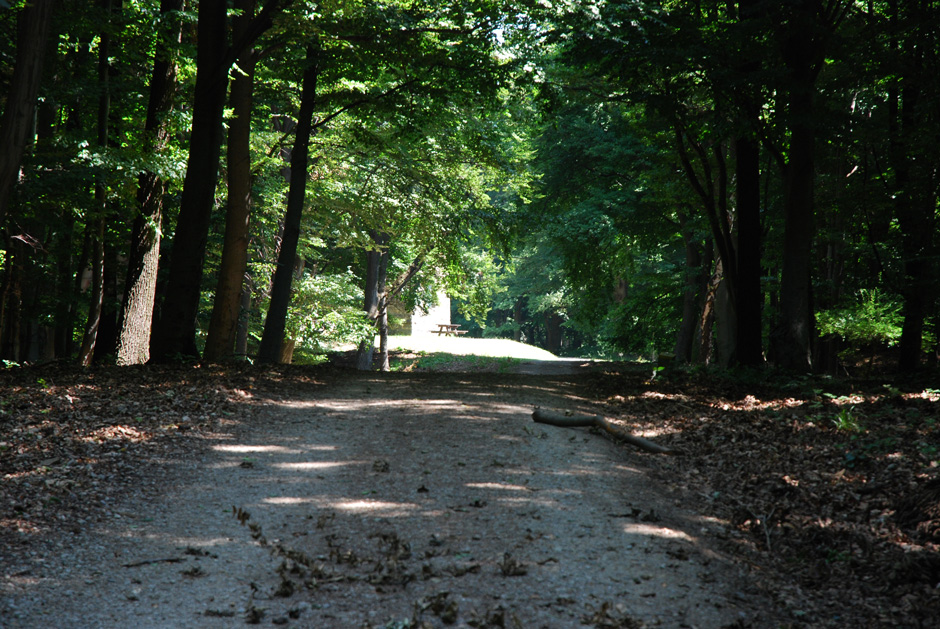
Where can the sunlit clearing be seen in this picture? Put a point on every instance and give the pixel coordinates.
(655, 531)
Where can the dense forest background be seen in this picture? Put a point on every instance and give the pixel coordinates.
(724, 182)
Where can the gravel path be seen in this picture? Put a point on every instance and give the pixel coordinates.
(392, 500)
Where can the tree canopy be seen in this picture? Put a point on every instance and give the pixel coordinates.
(730, 183)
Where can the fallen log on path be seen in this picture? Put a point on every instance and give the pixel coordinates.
(576, 421)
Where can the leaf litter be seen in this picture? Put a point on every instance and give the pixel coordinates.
(826, 494)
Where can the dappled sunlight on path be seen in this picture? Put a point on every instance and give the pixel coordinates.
(365, 499)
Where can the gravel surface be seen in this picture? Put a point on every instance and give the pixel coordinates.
(392, 500)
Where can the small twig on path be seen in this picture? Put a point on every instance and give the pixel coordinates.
(763, 522)
(150, 561)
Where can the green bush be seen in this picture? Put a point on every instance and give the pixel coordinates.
(874, 319)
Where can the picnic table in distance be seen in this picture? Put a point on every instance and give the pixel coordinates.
(448, 329)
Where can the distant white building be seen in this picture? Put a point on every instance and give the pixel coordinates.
(419, 323)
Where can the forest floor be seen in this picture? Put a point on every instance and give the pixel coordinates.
(323, 497)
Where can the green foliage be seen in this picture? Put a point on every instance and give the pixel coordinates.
(846, 420)
(326, 311)
(872, 319)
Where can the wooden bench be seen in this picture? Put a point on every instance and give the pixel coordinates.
(448, 329)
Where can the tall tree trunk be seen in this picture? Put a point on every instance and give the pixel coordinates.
(801, 44)
(915, 177)
(749, 346)
(220, 341)
(140, 285)
(794, 330)
(175, 333)
(747, 290)
(101, 201)
(33, 30)
(275, 322)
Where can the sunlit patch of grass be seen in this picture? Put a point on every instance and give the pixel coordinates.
(443, 361)
(846, 420)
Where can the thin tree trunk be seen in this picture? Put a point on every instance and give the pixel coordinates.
(140, 285)
(87, 350)
(702, 352)
(220, 340)
(17, 121)
(241, 336)
(276, 320)
(86, 354)
(11, 298)
(106, 343)
(692, 294)
(372, 300)
(382, 319)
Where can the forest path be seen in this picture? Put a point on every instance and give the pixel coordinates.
(411, 498)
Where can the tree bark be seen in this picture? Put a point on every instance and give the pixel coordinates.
(86, 354)
(702, 351)
(175, 333)
(106, 343)
(382, 319)
(518, 318)
(692, 297)
(792, 337)
(220, 341)
(553, 332)
(748, 301)
(33, 30)
(749, 346)
(793, 334)
(373, 297)
(87, 350)
(915, 183)
(244, 314)
(577, 421)
(276, 320)
(140, 286)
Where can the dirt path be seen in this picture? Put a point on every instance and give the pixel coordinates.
(391, 500)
